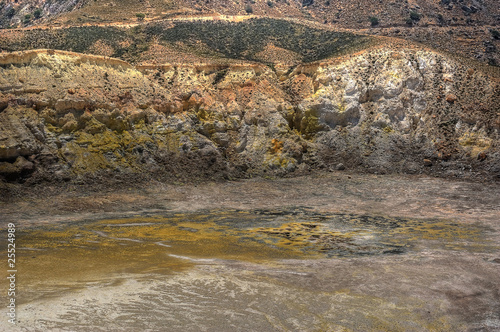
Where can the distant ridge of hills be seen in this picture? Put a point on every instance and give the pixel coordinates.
(466, 27)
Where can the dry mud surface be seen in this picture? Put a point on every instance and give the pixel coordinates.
(326, 252)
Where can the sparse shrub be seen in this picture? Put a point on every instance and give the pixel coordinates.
(489, 46)
(270, 4)
(248, 9)
(27, 18)
(440, 19)
(492, 62)
(495, 34)
(11, 12)
(414, 16)
(374, 21)
(37, 13)
(136, 30)
(140, 16)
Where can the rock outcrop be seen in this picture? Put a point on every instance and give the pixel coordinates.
(68, 116)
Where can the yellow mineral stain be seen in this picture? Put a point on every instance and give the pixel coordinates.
(475, 143)
(441, 234)
(76, 254)
(143, 245)
(308, 237)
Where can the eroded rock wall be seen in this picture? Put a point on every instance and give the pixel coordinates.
(70, 117)
(391, 110)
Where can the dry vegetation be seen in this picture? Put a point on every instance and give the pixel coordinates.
(467, 27)
(185, 41)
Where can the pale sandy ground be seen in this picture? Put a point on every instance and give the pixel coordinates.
(420, 197)
(429, 288)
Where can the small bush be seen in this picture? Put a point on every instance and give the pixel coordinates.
(11, 12)
(248, 9)
(492, 62)
(270, 4)
(374, 21)
(136, 30)
(441, 20)
(27, 18)
(495, 34)
(140, 16)
(37, 13)
(414, 16)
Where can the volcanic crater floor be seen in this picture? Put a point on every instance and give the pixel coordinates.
(330, 252)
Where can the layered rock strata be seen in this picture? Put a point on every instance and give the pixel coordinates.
(72, 117)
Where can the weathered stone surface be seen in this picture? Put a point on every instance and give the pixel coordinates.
(451, 98)
(20, 133)
(379, 111)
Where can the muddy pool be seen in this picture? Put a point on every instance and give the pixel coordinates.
(323, 253)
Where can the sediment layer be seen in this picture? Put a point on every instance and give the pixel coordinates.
(69, 117)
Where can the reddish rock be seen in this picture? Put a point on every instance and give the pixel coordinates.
(451, 98)
(482, 156)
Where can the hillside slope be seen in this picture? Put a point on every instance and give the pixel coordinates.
(468, 27)
(263, 40)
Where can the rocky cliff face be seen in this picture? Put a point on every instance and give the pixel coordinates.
(68, 116)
